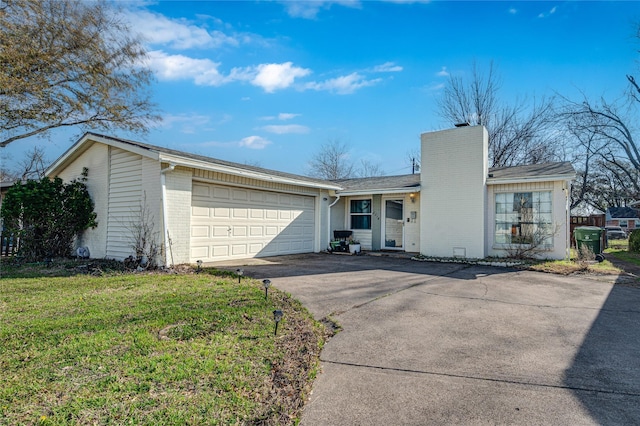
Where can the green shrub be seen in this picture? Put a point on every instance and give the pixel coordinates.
(47, 215)
(634, 241)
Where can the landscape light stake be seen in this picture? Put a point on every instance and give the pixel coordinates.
(266, 284)
(277, 316)
(240, 272)
(199, 262)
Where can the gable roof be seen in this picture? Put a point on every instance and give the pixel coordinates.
(623, 213)
(379, 185)
(534, 172)
(186, 159)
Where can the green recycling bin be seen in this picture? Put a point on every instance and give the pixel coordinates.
(589, 236)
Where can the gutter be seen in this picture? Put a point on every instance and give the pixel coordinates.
(165, 213)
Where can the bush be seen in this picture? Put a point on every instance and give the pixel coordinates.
(47, 215)
(634, 241)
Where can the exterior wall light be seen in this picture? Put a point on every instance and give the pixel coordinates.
(277, 316)
(239, 272)
(412, 196)
(266, 284)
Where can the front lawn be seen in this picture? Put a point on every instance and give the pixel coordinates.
(152, 349)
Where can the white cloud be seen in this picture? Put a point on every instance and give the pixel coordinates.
(443, 72)
(387, 67)
(180, 67)
(176, 33)
(254, 142)
(204, 72)
(343, 85)
(286, 129)
(551, 12)
(283, 116)
(513, 11)
(188, 123)
(309, 9)
(272, 77)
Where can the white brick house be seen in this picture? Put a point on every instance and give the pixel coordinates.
(209, 209)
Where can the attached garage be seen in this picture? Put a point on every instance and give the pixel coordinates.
(231, 222)
(198, 208)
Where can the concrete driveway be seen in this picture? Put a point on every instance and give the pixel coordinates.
(426, 343)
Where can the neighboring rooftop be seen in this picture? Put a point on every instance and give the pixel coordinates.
(623, 213)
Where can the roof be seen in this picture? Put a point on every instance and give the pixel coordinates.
(198, 161)
(380, 184)
(533, 172)
(623, 213)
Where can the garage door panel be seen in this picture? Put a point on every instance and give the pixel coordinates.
(239, 231)
(200, 211)
(220, 231)
(222, 193)
(200, 252)
(198, 231)
(229, 222)
(255, 248)
(222, 212)
(220, 251)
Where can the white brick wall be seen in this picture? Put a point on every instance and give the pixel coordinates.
(178, 189)
(453, 193)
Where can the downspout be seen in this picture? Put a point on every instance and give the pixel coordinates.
(329, 218)
(165, 213)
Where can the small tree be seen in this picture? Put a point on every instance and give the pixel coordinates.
(47, 215)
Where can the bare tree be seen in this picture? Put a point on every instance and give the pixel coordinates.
(332, 161)
(611, 156)
(519, 132)
(69, 63)
(32, 166)
(369, 169)
(413, 159)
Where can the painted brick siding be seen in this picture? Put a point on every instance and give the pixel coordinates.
(453, 192)
(96, 159)
(178, 189)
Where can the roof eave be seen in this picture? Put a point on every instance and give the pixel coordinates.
(85, 142)
(213, 167)
(504, 181)
(355, 192)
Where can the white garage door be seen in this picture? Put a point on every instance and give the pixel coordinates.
(229, 223)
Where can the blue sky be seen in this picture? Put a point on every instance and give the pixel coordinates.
(268, 82)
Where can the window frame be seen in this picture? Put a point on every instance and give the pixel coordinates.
(360, 214)
(517, 223)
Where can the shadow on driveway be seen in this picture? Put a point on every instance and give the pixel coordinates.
(606, 369)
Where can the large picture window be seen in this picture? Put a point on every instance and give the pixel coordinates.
(524, 218)
(360, 212)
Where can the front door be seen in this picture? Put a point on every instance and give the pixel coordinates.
(393, 223)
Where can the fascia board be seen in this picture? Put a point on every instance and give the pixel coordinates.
(348, 193)
(495, 181)
(85, 142)
(203, 165)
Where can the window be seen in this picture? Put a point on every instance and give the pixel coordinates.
(624, 223)
(360, 214)
(524, 218)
